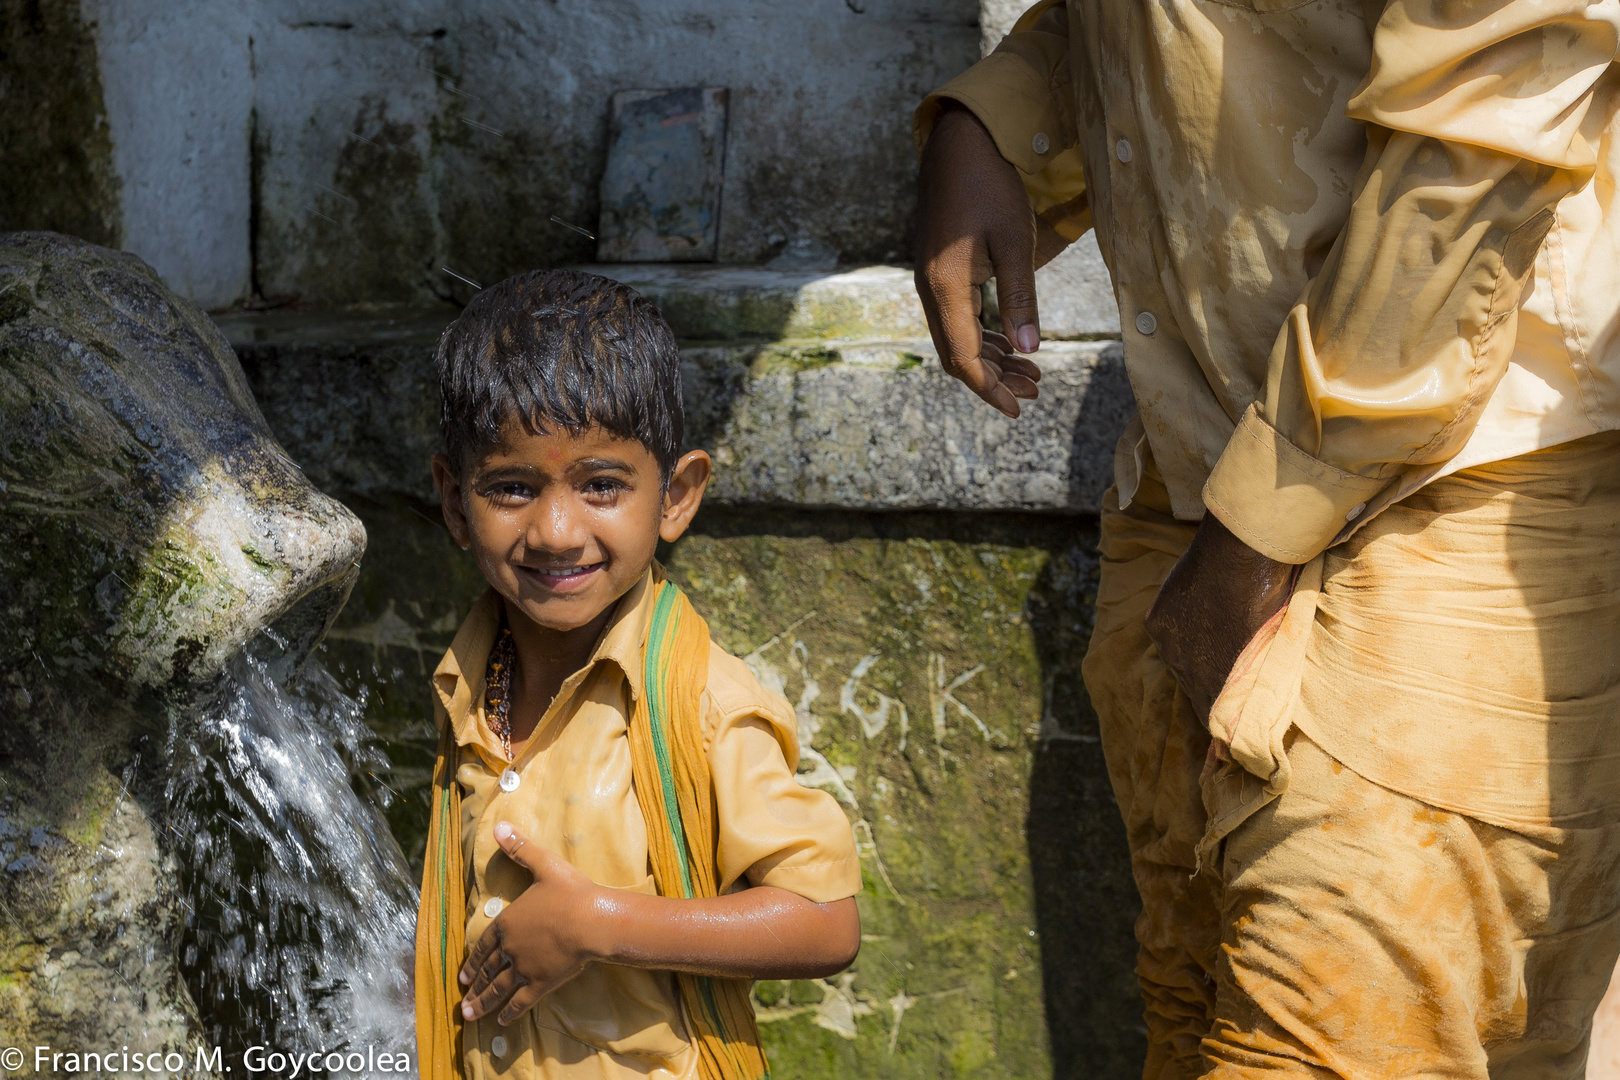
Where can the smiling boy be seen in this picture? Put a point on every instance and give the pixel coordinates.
(616, 827)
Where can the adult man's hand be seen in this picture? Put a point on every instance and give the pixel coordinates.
(1216, 598)
(975, 223)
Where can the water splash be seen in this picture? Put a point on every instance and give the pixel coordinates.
(301, 909)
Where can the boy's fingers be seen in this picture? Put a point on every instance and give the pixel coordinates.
(495, 963)
(526, 996)
(481, 949)
(516, 845)
(493, 996)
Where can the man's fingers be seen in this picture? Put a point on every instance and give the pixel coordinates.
(1013, 254)
(1014, 364)
(983, 377)
(945, 287)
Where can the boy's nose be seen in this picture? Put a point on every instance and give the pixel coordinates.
(556, 526)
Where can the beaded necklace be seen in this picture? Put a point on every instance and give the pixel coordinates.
(498, 687)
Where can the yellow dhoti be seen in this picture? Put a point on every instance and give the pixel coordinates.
(1402, 855)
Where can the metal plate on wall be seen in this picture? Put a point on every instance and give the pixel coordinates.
(661, 187)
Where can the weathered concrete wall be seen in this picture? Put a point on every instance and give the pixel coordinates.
(818, 141)
(56, 158)
(346, 152)
(177, 80)
(857, 422)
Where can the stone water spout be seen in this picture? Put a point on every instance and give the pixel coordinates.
(164, 565)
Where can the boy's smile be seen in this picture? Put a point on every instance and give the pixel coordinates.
(563, 525)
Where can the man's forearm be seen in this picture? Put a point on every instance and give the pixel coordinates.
(1215, 599)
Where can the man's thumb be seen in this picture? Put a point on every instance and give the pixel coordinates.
(516, 845)
(1015, 297)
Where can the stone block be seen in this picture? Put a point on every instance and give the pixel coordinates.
(881, 426)
(726, 303)
(868, 426)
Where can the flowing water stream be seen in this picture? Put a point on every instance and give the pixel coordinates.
(301, 908)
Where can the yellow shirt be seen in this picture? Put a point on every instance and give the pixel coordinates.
(570, 790)
(1355, 245)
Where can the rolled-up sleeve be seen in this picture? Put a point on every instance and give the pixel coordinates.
(1480, 118)
(1023, 93)
(772, 830)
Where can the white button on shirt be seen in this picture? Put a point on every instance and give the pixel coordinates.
(1145, 323)
(493, 906)
(497, 1046)
(510, 780)
(1040, 143)
(1122, 150)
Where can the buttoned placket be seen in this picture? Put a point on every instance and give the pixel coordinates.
(1143, 304)
(496, 1040)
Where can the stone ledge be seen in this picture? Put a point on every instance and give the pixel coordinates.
(870, 425)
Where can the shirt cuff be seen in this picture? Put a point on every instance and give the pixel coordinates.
(1279, 500)
(820, 883)
(1014, 102)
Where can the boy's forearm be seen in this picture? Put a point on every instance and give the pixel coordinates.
(759, 933)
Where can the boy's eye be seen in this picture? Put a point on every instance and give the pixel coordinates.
(603, 486)
(509, 491)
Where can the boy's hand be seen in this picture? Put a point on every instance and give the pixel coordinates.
(538, 942)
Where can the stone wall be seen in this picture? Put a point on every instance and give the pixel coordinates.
(913, 572)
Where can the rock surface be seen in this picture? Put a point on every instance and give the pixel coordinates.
(153, 529)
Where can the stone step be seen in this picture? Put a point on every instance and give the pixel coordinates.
(871, 424)
(743, 303)
(730, 303)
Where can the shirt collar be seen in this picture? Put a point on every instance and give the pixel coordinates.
(458, 681)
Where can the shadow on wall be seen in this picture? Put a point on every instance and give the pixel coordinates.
(1085, 900)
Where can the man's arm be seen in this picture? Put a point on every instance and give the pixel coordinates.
(564, 921)
(998, 205)
(1480, 119)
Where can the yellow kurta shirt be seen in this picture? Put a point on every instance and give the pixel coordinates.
(570, 790)
(1355, 245)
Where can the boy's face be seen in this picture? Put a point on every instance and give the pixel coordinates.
(563, 525)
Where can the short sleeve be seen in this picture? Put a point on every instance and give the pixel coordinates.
(771, 829)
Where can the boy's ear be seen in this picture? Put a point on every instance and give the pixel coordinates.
(686, 483)
(448, 481)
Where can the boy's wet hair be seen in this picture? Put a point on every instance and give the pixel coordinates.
(560, 349)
